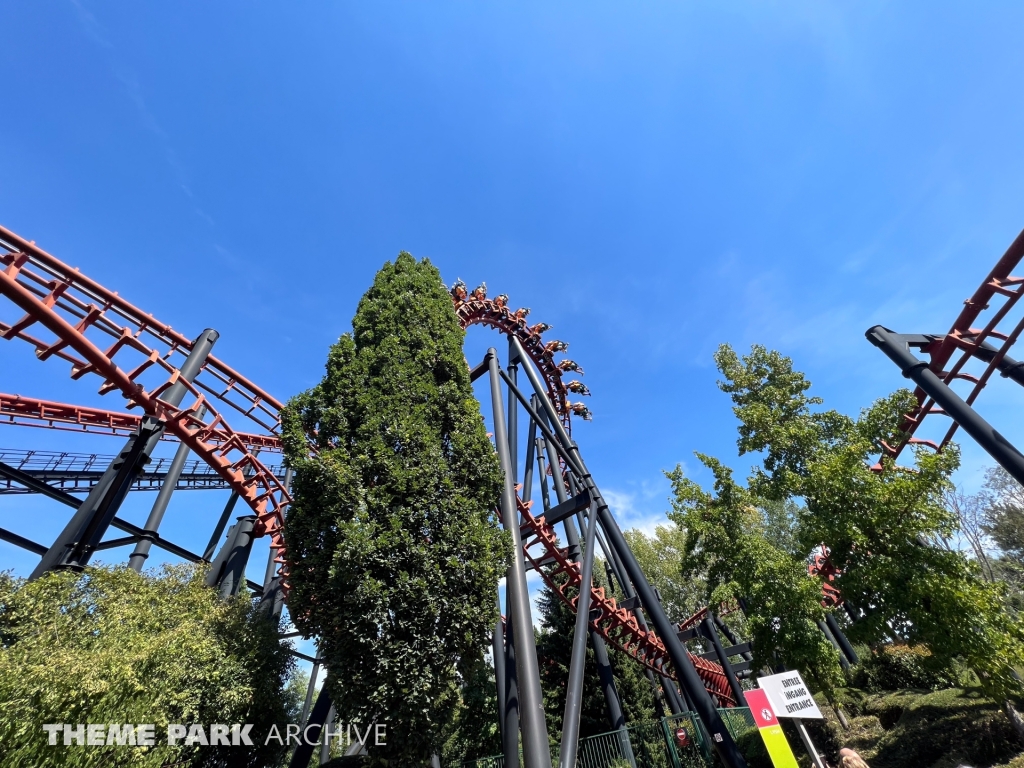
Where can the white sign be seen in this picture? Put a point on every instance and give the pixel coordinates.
(789, 695)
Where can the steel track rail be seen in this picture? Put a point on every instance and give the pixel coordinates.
(68, 305)
(617, 625)
(22, 411)
(948, 354)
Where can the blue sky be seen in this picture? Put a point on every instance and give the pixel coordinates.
(651, 179)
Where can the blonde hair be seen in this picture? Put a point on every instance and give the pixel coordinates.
(852, 761)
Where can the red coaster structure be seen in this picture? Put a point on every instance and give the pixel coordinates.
(175, 389)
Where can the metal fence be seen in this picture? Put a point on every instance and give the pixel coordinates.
(679, 741)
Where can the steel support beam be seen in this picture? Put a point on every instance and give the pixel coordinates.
(74, 545)
(536, 753)
(304, 752)
(20, 541)
(723, 659)
(510, 736)
(844, 645)
(38, 486)
(722, 740)
(156, 514)
(227, 572)
(498, 657)
(998, 447)
(578, 660)
(843, 661)
(611, 696)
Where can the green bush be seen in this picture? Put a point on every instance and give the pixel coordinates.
(113, 646)
(751, 746)
(923, 729)
(896, 667)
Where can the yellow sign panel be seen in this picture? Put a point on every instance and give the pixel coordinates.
(771, 732)
(778, 747)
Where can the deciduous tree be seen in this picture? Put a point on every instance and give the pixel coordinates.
(727, 546)
(113, 646)
(880, 523)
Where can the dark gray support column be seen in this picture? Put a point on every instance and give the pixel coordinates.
(536, 753)
(75, 544)
(304, 752)
(325, 747)
(310, 689)
(716, 641)
(612, 701)
(163, 498)
(676, 703)
(531, 449)
(578, 660)
(510, 737)
(616, 719)
(998, 447)
(722, 741)
(512, 411)
(850, 611)
(211, 546)
(227, 572)
(731, 637)
(828, 636)
(604, 668)
(272, 600)
(844, 645)
(38, 486)
(543, 473)
(498, 656)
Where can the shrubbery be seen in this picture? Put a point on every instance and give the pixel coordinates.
(895, 667)
(113, 646)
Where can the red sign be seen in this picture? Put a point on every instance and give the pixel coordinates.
(762, 711)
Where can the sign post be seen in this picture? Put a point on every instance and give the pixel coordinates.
(771, 732)
(790, 697)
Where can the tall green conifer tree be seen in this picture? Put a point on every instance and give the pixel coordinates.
(394, 547)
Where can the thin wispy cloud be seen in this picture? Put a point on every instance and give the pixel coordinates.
(133, 89)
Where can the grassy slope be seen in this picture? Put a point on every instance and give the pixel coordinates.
(920, 729)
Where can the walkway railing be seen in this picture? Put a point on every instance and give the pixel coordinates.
(672, 742)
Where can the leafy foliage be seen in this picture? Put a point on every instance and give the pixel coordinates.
(882, 527)
(1005, 514)
(113, 646)
(476, 733)
(395, 553)
(659, 557)
(937, 729)
(1002, 501)
(727, 543)
(895, 667)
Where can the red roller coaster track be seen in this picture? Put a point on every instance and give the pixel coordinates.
(949, 354)
(71, 318)
(77, 314)
(617, 625)
(32, 412)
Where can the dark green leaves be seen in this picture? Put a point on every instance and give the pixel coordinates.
(395, 553)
